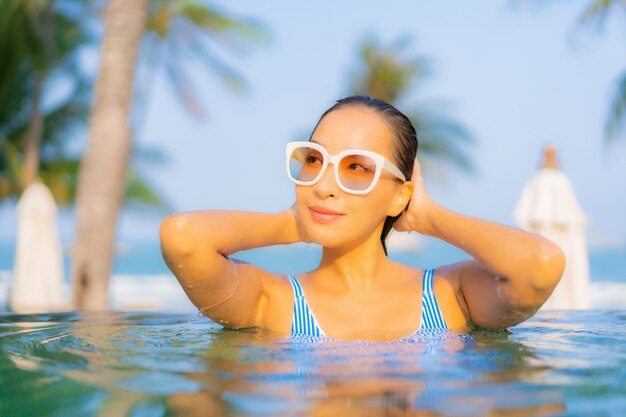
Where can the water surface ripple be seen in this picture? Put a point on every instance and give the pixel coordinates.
(146, 364)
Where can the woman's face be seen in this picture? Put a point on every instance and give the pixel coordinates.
(358, 216)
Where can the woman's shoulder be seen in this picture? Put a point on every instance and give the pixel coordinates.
(453, 273)
(440, 273)
(270, 281)
(449, 273)
(447, 288)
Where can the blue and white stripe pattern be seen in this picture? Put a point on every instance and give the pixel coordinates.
(304, 323)
(432, 319)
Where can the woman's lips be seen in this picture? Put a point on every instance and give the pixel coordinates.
(324, 215)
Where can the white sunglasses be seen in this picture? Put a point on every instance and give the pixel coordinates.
(357, 171)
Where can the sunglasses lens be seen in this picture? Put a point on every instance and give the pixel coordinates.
(356, 172)
(305, 164)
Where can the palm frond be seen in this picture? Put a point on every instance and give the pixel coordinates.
(139, 192)
(228, 74)
(595, 14)
(391, 73)
(385, 73)
(186, 30)
(236, 32)
(10, 171)
(616, 120)
(61, 177)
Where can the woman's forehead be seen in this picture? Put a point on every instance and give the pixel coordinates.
(354, 128)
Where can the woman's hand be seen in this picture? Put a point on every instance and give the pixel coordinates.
(513, 272)
(421, 207)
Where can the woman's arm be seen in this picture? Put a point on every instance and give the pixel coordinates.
(196, 246)
(514, 272)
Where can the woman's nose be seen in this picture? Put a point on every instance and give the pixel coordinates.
(327, 186)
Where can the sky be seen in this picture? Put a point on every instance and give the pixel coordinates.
(519, 75)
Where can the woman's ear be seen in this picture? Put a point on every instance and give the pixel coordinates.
(401, 199)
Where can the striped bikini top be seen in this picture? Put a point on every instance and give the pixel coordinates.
(305, 324)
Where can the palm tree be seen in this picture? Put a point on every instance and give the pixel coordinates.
(175, 31)
(39, 43)
(388, 74)
(103, 170)
(595, 15)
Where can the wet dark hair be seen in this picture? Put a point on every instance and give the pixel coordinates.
(405, 139)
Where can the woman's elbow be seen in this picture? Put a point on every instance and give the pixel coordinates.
(176, 237)
(550, 262)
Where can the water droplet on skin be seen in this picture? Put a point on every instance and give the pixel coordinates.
(180, 266)
(189, 286)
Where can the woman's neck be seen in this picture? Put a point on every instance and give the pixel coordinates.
(354, 268)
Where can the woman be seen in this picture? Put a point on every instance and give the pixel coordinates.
(352, 186)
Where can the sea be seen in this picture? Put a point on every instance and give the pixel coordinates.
(141, 280)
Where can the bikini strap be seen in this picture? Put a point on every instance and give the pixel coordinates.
(295, 285)
(303, 322)
(431, 313)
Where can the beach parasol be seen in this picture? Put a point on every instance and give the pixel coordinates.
(548, 206)
(37, 284)
(403, 241)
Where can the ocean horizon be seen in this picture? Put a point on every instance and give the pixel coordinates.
(141, 280)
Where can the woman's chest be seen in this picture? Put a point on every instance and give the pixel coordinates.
(374, 315)
(385, 315)
(382, 313)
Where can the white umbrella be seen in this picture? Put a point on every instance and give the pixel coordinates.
(548, 206)
(404, 241)
(38, 271)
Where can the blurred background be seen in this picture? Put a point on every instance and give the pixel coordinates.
(220, 87)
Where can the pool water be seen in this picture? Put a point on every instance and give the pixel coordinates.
(132, 364)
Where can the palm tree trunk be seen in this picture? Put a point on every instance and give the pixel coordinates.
(33, 136)
(102, 177)
(35, 128)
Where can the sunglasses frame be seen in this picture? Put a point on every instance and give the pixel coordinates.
(380, 161)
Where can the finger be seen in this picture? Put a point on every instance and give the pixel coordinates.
(401, 224)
